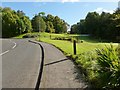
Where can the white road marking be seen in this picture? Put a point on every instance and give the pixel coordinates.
(14, 45)
(4, 52)
(8, 50)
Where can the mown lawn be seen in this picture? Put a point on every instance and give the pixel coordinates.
(67, 46)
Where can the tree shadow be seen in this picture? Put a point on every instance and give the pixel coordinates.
(80, 77)
(56, 62)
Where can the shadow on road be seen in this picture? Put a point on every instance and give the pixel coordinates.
(56, 62)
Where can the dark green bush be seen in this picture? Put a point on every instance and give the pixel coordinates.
(30, 36)
(63, 38)
(81, 41)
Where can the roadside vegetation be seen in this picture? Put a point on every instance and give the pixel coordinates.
(99, 61)
(97, 57)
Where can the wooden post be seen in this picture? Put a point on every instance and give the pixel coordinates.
(74, 47)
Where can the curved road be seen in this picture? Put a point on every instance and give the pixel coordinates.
(20, 65)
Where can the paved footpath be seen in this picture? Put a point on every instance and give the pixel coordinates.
(58, 71)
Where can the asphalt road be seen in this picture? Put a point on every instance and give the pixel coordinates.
(20, 63)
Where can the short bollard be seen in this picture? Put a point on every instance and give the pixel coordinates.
(74, 47)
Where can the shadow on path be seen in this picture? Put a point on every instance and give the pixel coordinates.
(56, 62)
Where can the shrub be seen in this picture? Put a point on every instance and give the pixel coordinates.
(109, 71)
(88, 65)
(30, 36)
(63, 38)
(81, 41)
(101, 68)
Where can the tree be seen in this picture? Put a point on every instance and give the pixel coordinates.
(24, 22)
(41, 13)
(9, 23)
(101, 26)
(14, 23)
(50, 27)
(0, 22)
(59, 25)
(50, 18)
(91, 22)
(38, 24)
(73, 29)
(20, 13)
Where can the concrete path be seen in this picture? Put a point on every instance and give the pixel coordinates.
(58, 71)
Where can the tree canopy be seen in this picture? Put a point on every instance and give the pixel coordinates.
(102, 26)
(49, 23)
(14, 23)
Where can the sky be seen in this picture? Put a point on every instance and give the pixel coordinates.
(69, 10)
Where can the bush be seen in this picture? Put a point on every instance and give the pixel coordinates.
(63, 38)
(101, 68)
(109, 72)
(88, 65)
(30, 36)
(81, 41)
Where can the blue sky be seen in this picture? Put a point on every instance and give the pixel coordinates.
(71, 12)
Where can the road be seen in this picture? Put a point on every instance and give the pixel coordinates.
(20, 63)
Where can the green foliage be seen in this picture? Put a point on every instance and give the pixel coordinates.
(30, 35)
(14, 23)
(59, 25)
(63, 38)
(100, 75)
(87, 62)
(118, 50)
(50, 27)
(109, 72)
(102, 68)
(38, 24)
(48, 23)
(100, 26)
(81, 41)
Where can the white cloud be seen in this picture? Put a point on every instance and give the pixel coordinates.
(70, 1)
(100, 10)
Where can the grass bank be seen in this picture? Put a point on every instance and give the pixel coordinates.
(67, 46)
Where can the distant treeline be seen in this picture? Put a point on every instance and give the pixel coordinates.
(16, 22)
(101, 26)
